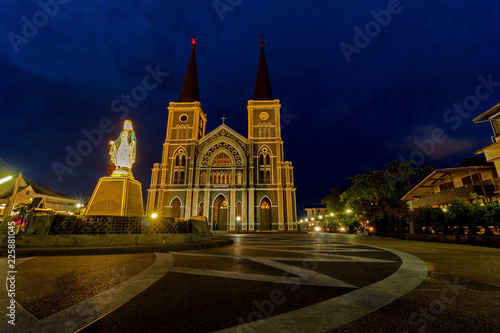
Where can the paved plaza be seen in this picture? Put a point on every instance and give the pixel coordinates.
(317, 282)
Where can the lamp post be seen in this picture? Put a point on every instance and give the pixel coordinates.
(238, 224)
(10, 203)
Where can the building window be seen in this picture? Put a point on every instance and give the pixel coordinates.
(222, 159)
(446, 187)
(239, 177)
(268, 177)
(176, 176)
(203, 177)
(265, 205)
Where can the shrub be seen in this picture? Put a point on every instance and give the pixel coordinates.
(429, 218)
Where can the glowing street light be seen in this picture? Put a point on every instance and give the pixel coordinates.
(79, 205)
(154, 215)
(349, 211)
(6, 179)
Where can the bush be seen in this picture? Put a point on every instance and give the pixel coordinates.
(429, 218)
(461, 215)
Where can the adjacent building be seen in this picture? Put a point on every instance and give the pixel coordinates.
(29, 190)
(313, 212)
(237, 182)
(492, 152)
(442, 185)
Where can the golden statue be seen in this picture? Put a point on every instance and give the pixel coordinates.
(122, 151)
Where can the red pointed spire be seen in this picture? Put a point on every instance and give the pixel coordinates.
(190, 91)
(263, 90)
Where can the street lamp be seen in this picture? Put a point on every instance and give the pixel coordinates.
(10, 203)
(3, 180)
(238, 223)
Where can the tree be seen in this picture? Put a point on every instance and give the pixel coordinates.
(377, 194)
(333, 202)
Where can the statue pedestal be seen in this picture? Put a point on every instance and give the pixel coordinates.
(119, 196)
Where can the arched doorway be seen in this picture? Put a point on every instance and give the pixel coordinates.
(176, 208)
(265, 214)
(220, 213)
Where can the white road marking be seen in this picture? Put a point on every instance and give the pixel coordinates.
(79, 316)
(340, 310)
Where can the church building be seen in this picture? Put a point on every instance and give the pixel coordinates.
(236, 182)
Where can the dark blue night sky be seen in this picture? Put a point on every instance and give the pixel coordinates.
(352, 101)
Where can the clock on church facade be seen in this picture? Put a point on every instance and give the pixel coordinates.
(236, 182)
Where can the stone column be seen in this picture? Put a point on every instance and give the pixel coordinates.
(251, 209)
(244, 209)
(187, 210)
(232, 212)
(206, 204)
(194, 211)
(281, 210)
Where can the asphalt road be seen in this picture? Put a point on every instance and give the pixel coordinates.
(266, 283)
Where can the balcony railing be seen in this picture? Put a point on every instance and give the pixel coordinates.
(442, 198)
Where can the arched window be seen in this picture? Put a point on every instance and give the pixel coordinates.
(181, 181)
(268, 159)
(268, 177)
(213, 177)
(183, 160)
(265, 204)
(222, 159)
(261, 159)
(203, 177)
(177, 160)
(176, 177)
(239, 177)
(229, 178)
(261, 176)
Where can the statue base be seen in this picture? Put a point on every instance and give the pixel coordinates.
(118, 196)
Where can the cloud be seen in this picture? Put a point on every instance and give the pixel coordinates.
(436, 143)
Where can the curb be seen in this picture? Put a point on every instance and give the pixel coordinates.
(81, 251)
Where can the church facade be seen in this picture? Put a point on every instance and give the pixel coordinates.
(236, 182)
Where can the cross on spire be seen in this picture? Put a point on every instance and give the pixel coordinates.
(223, 119)
(193, 41)
(262, 37)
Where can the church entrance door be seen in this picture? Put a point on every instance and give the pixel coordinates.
(220, 213)
(176, 208)
(265, 214)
